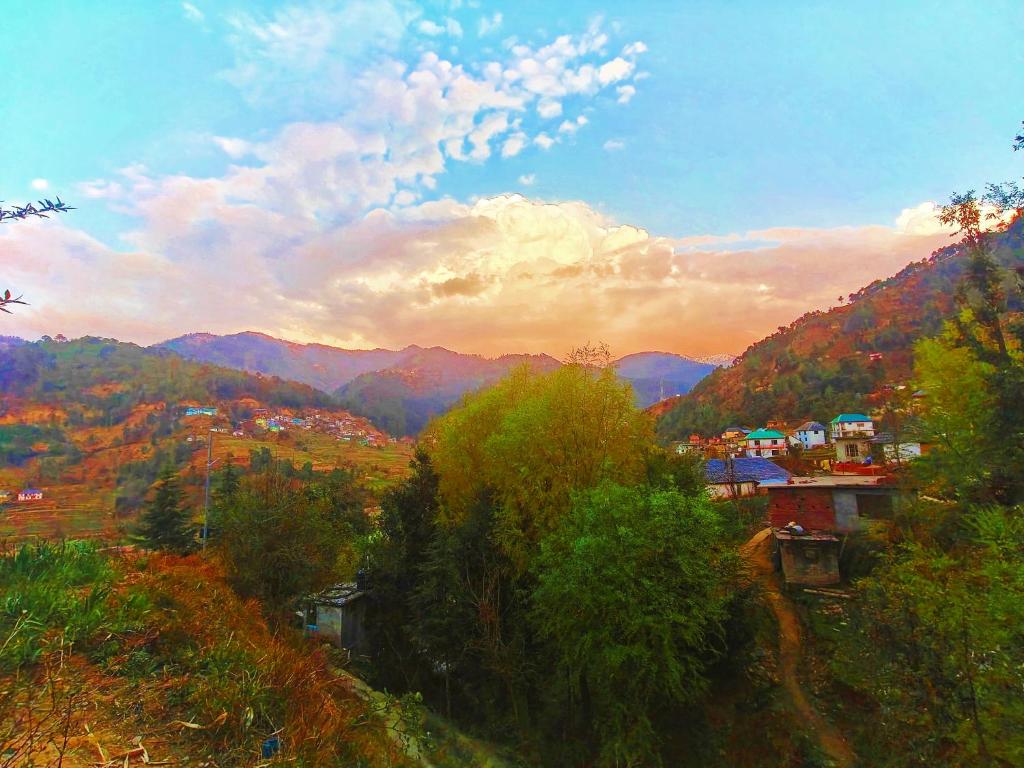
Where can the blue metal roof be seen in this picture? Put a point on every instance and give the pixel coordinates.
(746, 469)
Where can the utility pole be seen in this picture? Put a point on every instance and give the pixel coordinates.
(206, 494)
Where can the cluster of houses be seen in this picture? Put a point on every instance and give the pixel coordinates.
(823, 483)
(848, 438)
(346, 428)
(25, 494)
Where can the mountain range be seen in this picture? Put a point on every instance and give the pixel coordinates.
(400, 390)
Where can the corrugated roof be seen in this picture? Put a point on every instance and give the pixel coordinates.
(765, 434)
(811, 426)
(844, 417)
(745, 469)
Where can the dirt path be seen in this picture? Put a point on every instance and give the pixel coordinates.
(757, 552)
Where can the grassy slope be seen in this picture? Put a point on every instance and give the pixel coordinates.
(98, 654)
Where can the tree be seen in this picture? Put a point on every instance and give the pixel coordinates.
(631, 596)
(166, 523)
(278, 544)
(533, 440)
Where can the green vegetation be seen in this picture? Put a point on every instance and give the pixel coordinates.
(281, 538)
(530, 497)
(166, 523)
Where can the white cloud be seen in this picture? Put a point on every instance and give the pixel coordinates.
(40, 185)
(548, 108)
(634, 49)
(613, 145)
(528, 179)
(428, 27)
(571, 126)
(192, 13)
(514, 144)
(615, 70)
(489, 24)
(453, 27)
(502, 274)
(626, 92)
(544, 141)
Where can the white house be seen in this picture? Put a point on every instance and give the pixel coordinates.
(30, 494)
(811, 434)
(766, 443)
(852, 433)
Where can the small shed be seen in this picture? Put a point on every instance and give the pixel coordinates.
(809, 558)
(337, 615)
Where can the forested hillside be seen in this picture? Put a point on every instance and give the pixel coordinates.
(403, 398)
(828, 362)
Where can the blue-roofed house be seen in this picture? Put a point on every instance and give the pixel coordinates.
(730, 478)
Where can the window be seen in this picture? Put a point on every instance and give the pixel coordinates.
(852, 450)
(757, 442)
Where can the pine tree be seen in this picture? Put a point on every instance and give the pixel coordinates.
(166, 523)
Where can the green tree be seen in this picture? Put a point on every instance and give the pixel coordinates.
(166, 522)
(632, 595)
(277, 543)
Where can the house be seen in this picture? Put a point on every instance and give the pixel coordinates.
(766, 442)
(688, 446)
(808, 515)
(30, 494)
(4, 496)
(734, 434)
(811, 434)
(852, 433)
(202, 411)
(732, 478)
(906, 449)
(337, 615)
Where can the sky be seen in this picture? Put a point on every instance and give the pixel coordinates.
(488, 176)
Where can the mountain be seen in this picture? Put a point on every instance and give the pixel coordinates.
(425, 383)
(401, 389)
(825, 363)
(718, 361)
(318, 365)
(657, 375)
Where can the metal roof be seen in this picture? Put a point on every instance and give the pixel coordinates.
(745, 470)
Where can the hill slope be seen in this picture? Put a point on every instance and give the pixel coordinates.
(426, 383)
(91, 422)
(828, 362)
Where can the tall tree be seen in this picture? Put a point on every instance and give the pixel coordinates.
(166, 522)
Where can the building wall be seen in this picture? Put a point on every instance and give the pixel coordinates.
(810, 563)
(724, 490)
(810, 439)
(810, 507)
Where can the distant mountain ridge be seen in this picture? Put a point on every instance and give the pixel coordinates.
(402, 389)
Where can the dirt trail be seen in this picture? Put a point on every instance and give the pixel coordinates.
(757, 553)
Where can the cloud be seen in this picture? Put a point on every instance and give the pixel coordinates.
(549, 108)
(544, 141)
(40, 185)
(489, 24)
(528, 179)
(514, 144)
(626, 92)
(505, 273)
(613, 145)
(192, 13)
(571, 126)
(430, 28)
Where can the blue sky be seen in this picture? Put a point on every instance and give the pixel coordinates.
(711, 120)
